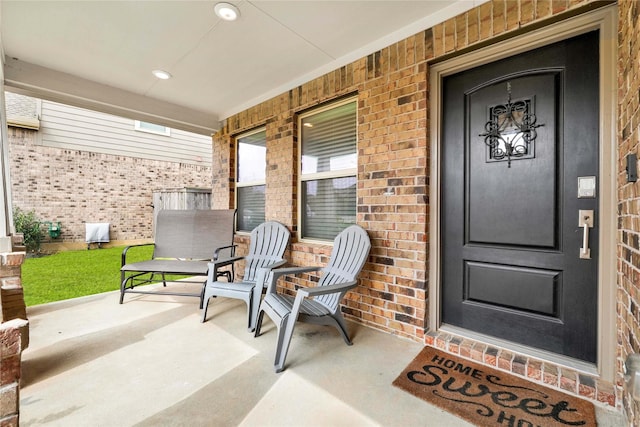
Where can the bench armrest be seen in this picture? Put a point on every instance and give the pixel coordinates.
(216, 253)
(213, 265)
(125, 250)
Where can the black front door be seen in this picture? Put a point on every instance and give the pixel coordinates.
(520, 167)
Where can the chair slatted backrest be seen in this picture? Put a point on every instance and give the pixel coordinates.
(193, 234)
(269, 241)
(350, 251)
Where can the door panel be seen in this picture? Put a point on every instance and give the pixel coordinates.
(510, 236)
(514, 204)
(526, 289)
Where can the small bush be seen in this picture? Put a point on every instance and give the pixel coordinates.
(29, 225)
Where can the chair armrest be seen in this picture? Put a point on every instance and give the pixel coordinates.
(289, 271)
(328, 289)
(275, 265)
(215, 265)
(125, 250)
(263, 274)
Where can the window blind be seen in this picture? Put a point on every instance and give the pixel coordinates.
(329, 207)
(252, 157)
(329, 140)
(250, 207)
(328, 203)
(250, 186)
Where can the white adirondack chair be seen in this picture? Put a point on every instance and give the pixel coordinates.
(319, 304)
(269, 241)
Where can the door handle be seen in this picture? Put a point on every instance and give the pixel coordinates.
(585, 220)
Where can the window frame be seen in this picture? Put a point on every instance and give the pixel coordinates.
(302, 178)
(138, 127)
(246, 184)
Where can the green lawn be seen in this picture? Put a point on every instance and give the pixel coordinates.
(73, 274)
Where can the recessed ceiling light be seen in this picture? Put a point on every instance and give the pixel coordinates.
(226, 11)
(161, 74)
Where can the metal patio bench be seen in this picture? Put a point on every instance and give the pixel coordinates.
(186, 241)
(319, 304)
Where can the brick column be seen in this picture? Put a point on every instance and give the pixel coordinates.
(11, 346)
(11, 293)
(14, 333)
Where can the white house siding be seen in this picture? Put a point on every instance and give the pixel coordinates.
(66, 127)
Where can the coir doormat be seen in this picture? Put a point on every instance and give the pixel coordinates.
(487, 397)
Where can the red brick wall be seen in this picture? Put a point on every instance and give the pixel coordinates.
(392, 154)
(628, 193)
(393, 175)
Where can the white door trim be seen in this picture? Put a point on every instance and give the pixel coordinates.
(605, 20)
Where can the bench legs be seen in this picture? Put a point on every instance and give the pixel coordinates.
(127, 285)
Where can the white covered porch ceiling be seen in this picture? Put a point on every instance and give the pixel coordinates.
(100, 54)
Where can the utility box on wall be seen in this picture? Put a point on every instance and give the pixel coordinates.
(181, 199)
(96, 232)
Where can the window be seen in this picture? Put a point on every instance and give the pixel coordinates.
(250, 184)
(152, 128)
(329, 165)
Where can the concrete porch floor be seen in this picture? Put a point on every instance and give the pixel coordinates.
(150, 362)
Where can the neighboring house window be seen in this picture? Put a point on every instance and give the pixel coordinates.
(251, 184)
(329, 163)
(152, 128)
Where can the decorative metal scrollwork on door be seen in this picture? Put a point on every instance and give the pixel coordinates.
(511, 129)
